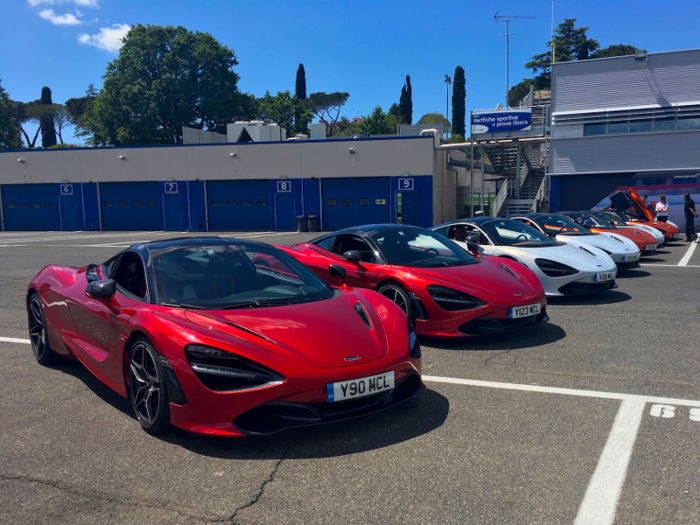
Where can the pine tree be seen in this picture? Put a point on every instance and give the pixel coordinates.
(459, 97)
(48, 132)
(300, 89)
(406, 102)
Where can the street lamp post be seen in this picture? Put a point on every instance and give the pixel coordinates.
(448, 83)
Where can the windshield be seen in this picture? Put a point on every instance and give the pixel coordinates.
(591, 220)
(234, 276)
(558, 224)
(513, 233)
(419, 248)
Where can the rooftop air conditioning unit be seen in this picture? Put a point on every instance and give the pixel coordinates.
(640, 54)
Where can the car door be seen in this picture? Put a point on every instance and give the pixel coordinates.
(101, 324)
(361, 274)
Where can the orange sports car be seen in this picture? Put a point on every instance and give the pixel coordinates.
(596, 223)
(632, 205)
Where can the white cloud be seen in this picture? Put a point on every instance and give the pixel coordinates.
(109, 38)
(59, 20)
(84, 3)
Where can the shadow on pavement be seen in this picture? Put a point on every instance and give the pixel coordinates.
(609, 297)
(632, 274)
(542, 334)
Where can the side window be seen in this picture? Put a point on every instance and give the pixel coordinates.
(473, 230)
(326, 243)
(130, 277)
(442, 231)
(109, 266)
(350, 242)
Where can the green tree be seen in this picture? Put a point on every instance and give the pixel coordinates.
(616, 50)
(28, 113)
(48, 132)
(285, 110)
(459, 101)
(300, 93)
(163, 79)
(406, 102)
(9, 132)
(378, 122)
(326, 106)
(79, 110)
(435, 118)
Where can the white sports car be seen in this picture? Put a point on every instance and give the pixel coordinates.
(621, 220)
(621, 250)
(561, 268)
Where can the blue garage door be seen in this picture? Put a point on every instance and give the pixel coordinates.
(353, 202)
(30, 207)
(238, 205)
(130, 206)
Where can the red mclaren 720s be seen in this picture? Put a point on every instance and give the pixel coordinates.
(197, 335)
(443, 289)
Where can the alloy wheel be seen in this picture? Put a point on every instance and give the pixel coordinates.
(37, 331)
(145, 384)
(395, 296)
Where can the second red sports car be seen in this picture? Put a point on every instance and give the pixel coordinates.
(447, 291)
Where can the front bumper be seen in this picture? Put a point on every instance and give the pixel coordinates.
(577, 287)
(491, 325)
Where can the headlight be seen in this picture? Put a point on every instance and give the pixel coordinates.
(223, 371)
(453, 300)
(554, 269)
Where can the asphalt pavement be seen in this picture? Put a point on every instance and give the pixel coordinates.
(591, 418)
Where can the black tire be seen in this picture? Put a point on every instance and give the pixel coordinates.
(148, 391)
(399, 295)
(38, 332)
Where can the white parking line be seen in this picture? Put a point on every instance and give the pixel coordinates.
(671, 265)
(688, 254)
(604, 488)
(15, 340)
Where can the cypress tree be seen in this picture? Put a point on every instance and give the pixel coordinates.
(406, 102)
(459, 97)
(48, 132)
(300, 88)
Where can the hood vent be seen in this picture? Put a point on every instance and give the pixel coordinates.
(360, 309)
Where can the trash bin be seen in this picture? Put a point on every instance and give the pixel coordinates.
(301, 223)
(313, 225)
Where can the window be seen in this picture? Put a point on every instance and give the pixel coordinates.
(380, 202)
(665, 124)
(462, 233)
(688, 123)
(109, 204)
(617, 127)
(594, 129)
(350, 242)
(23, 205)
(216, 203)
(347, 202)
(136, 204)
(230, 203)
(419, 248)
(246, 202)
(331, 202)
(130, 276)
(326, 243)
(123, 204)
(10, 204)
(48, 205)
(640, 126)
(261, 202)
(151, 204)
(36, 205)
(363, 202)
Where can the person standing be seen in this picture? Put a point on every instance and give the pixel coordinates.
(648, 206)
(662, 209)
(690, 214)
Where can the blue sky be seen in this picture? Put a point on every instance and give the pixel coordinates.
(365, 47)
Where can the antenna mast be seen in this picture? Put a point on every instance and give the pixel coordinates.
(507, 19)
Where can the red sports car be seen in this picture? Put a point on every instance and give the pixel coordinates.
(632, 205)
(195, 334)
(446, 291)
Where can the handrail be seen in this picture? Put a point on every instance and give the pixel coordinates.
(500, 199)
(539, 196)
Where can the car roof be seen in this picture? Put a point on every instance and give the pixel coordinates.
(474, 220)
(153, 248)
(371, 229)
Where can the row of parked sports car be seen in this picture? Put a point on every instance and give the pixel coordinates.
(232, 337)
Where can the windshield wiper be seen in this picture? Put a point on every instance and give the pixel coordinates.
(253, 303)
(185, 305)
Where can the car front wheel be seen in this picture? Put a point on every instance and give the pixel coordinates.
(38, 333)
(147, 388)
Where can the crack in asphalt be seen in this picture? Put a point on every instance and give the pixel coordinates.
(95, 494)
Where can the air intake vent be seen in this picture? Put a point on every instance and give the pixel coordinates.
(360, 309)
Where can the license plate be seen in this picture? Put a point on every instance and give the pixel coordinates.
(602, 277)
(364, 386)
(650, 247)
(523, 311)
(630, 258)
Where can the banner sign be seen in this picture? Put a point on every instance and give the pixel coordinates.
(500, 121)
